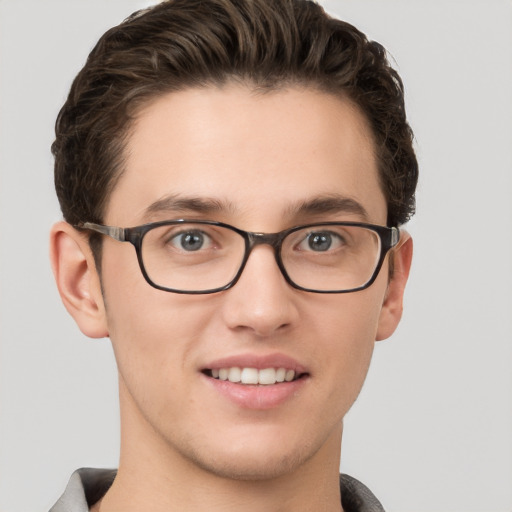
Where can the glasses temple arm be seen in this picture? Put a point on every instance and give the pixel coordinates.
(395, 236)
(112, 231)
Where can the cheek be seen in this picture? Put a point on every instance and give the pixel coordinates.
(154, 334)
(348, 322)
(154, 341)
(146, 326)
(149, 326)
(346, 338)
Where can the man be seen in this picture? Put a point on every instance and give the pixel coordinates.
(257, 157)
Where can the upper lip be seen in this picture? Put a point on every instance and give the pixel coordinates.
(259, 362)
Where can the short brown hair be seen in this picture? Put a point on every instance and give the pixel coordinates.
(179, 44)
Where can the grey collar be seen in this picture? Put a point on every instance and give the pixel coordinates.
(87, 485)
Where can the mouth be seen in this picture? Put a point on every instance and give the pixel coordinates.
(257, 382)
(254, 376)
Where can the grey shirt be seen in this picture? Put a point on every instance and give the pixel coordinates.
(87, 485)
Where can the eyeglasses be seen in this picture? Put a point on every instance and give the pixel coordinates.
(198, 257)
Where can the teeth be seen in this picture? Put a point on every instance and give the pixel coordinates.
(249, 376)
(234, 375)
(266, 376)
(290, 374)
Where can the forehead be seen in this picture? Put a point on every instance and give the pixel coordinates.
(254, 154)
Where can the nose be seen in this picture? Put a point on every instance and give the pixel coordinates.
(261, 302)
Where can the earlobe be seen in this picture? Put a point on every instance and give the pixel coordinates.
(392, 307)
(77, 279)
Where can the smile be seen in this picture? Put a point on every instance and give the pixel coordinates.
(264, 376)
(255, 381)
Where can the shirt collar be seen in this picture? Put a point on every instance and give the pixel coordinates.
(87, 485)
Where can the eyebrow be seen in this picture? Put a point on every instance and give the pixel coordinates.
(180, 204)
(325, 204)
(331, 203)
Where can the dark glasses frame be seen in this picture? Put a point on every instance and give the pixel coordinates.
(389, 238)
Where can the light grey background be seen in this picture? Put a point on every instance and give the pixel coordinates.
(432, 430)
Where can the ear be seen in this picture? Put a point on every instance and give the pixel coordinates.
(77, 279)
(391, 311)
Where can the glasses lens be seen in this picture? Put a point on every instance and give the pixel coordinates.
(192, 256)
(331, 257)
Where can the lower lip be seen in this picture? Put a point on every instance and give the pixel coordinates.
(258, 397)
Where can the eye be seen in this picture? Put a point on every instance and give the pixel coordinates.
(192, 240)
(321, 241)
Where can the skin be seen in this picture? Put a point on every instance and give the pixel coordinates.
(263, 154)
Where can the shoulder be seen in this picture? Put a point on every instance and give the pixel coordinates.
(85, 487)
(356, 497)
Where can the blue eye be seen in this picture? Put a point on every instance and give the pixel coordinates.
(321, 241)
(191, 241)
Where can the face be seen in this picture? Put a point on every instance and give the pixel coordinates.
(252, 161)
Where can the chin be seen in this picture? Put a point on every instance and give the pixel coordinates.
(256, 469)
(248, 460)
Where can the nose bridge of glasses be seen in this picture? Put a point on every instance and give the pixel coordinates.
(272, 239)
